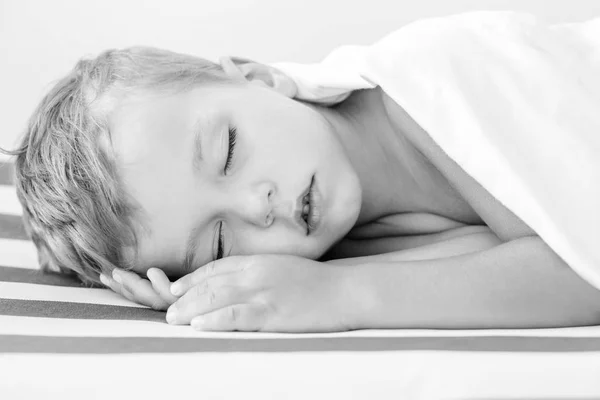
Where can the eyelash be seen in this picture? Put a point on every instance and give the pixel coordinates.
(232, 139)
(220, 243)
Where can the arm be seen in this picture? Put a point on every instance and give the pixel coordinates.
(518, 284)
(358, 248)
(456, 242)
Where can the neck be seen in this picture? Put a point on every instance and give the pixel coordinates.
(392, 172)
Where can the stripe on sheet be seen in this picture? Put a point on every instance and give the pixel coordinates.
(11, 227)
(61, 309)
(6, 173)
(104, 345)
(25, 275)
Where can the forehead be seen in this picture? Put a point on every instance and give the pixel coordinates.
(151, 113)
(164, 116)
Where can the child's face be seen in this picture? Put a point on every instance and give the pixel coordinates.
(280, 145)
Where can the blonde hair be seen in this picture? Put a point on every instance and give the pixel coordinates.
(74, 206)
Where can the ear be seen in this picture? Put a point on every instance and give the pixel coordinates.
(259, 74)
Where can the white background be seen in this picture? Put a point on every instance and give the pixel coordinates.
(40, 41)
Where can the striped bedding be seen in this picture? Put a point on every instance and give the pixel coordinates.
(60, 340)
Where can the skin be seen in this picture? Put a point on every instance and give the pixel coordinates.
(352, 150)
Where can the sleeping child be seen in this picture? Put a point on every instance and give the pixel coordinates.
(242, 196)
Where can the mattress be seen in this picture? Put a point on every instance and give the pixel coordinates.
(61, 340)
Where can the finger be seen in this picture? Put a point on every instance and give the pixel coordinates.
(141, 289)
(116, 287)
(127, 279)
(237, 317)
(161, 284)
(231, 68)
(204, 298)
(226, 265)
(106, 281)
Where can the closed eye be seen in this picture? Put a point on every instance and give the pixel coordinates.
(232, 140)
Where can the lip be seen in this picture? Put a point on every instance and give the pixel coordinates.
(298, 209)
(315, 216)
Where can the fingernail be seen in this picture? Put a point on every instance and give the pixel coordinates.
(150, 273)
(117, 276)
(171, 315)
(104, 280)
(176, 289)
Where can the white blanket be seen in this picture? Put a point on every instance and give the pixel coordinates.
(513, 100)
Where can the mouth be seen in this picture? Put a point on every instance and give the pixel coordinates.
(307, 208)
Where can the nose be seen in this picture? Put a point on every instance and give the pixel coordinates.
(254, 204)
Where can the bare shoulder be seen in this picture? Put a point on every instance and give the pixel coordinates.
(503, 222)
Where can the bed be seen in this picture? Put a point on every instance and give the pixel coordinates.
(61, 340)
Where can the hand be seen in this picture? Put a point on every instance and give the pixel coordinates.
(154, 293)
(279, 293)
